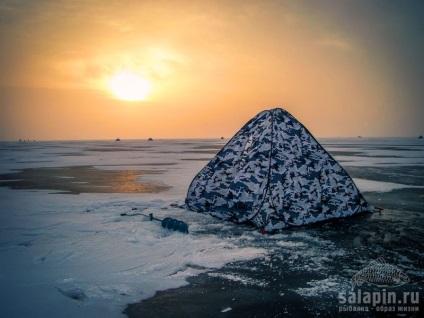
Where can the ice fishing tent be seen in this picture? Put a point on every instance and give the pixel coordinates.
(274, 173)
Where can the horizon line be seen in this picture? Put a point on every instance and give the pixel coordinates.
(197, 138)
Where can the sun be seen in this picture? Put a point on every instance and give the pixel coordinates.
(129, 86)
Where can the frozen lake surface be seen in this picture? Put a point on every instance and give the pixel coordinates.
(65, 249)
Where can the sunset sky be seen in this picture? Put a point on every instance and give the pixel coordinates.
(343, 68)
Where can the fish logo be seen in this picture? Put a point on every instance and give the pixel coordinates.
(380, 274)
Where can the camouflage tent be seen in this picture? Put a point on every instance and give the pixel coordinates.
(274, 173)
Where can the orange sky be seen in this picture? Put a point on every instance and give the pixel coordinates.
(342, 69)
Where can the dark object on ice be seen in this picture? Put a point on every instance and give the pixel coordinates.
(168, 223)
(176, 225)
(420, 137)
(274, 173)
(150, 139)
(117, 139)
(75, 293)
(222, 137)
(359, 136)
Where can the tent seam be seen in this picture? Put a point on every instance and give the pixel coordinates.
(269, 168)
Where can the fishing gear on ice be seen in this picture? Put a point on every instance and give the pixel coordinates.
(167, 223)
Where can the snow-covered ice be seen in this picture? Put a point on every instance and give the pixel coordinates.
(379, 186)
(76, 256)
(65, 256)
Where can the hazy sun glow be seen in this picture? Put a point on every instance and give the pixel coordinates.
(202, 69)
(129, 86)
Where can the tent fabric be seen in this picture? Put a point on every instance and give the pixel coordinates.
(274, 173)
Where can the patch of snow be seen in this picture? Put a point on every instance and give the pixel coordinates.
(290, 244)
(378, 186)
(331, 285)
(53, 251)
(241, 279)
